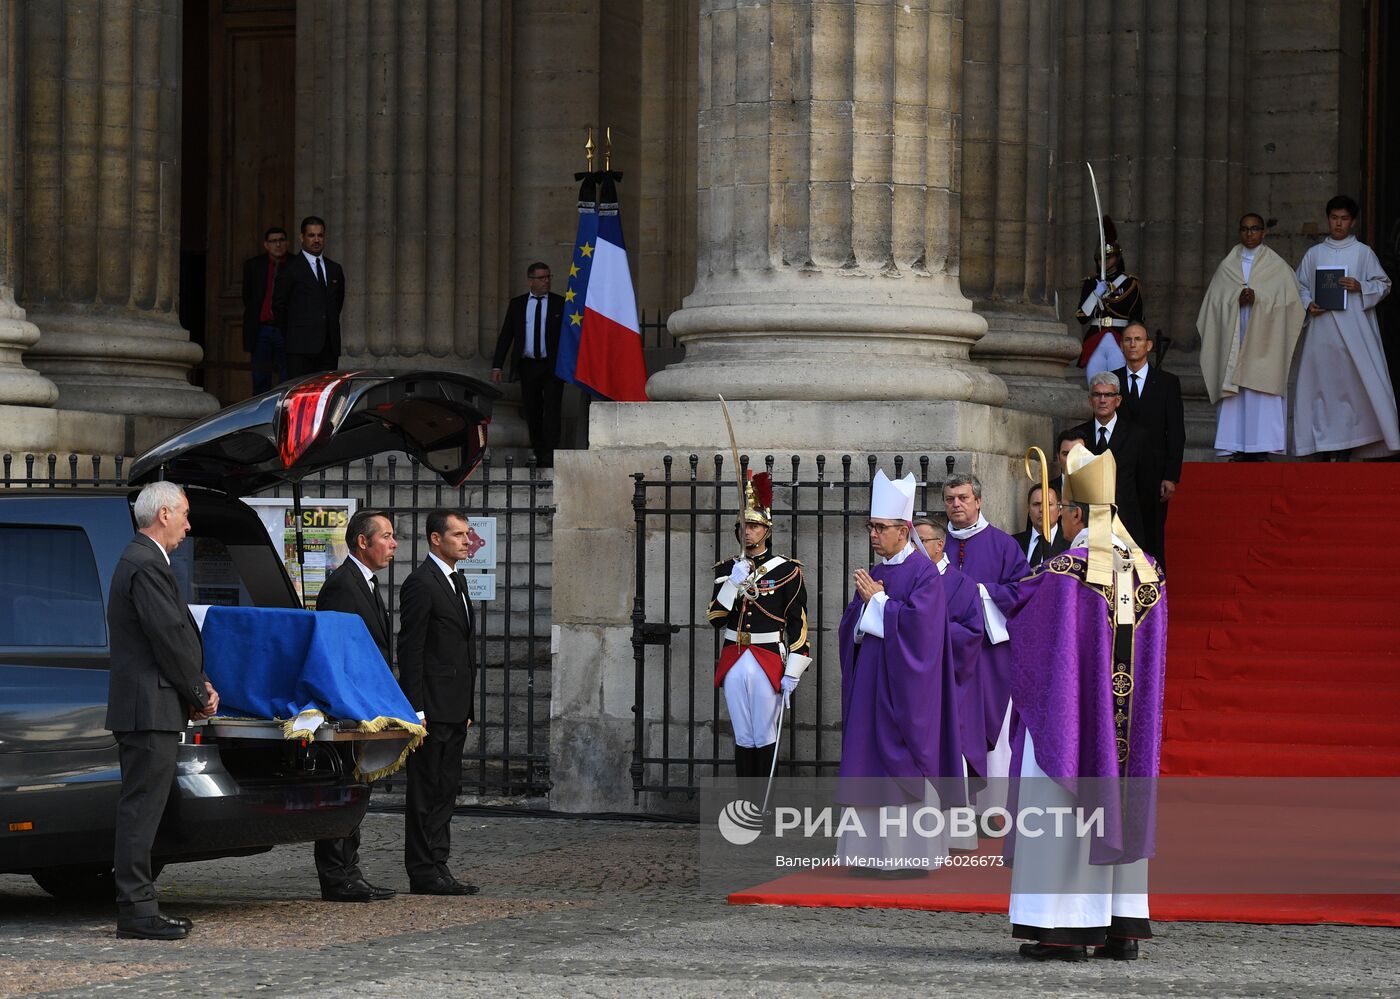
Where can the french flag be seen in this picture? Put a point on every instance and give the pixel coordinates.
(610, 360)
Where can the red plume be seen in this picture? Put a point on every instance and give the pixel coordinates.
(763, 490)
(1110, 231)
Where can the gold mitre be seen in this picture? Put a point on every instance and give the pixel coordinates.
(1092, 479)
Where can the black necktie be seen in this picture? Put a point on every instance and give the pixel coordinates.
(1036, 557)
(320, 272)
(1103, 439)
(460, 585)
(379, 604)
(536, 339)
(1133, 391)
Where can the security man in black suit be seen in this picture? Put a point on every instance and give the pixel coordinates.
(262, 337)
(157, 686)
(306, 302)
(1152, 400)
(1112, 431)
(437, 671)
(530, 335)
(354, 589)
(1036, 548)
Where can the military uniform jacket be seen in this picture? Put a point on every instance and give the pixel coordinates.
(1122, 304)
(770, 626)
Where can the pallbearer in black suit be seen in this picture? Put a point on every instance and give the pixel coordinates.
(353, 588)
(1110, 430)
(1036, 548)
(1152, 400)
(157, 686)
(437, 670)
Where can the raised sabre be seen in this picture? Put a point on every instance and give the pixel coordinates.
(1098, 217)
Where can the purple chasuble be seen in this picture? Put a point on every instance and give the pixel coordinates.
(1067, 688)
(993, 558)
(899, 723)
(966, 635)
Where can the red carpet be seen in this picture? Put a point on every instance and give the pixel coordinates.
(1283, 661)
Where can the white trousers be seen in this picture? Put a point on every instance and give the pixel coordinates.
(1099, 892)
(1107, 356)
(753, 703)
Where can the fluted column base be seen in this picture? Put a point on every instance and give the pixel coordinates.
(828, 338)
(19, 385)
(118, 361)
(1028, 348)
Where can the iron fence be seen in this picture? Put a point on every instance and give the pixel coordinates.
(507, 752)
(684, 525)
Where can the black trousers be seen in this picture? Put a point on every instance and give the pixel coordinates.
(434, 773)
(325, 359)
(541, 393)
(148, 775)
(338, 860)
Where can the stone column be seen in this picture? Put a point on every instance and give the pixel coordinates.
(1154, 97)
(828, 208)
(1009, 130)
(101, 238)
(19, 386)
(403, 148)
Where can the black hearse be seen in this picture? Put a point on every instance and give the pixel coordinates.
(241, 788)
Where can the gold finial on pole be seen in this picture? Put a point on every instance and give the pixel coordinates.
(1036, 452)
(607, 148)
(588, 148)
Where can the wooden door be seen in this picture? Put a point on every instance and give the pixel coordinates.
(251, 117)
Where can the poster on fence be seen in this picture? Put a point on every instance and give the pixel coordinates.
(322, 533)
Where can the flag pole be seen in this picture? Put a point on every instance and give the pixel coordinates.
(588, 148)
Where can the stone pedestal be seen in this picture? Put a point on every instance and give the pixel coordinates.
(1009, 131)
(101, 237)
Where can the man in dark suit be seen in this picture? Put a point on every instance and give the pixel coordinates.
(306, 302)
(1036, 548)
(262, 337)
(437, 670)
(530, 336)
(1064, 443)
(1152, 400)
(1109, 430)
(157, 686)
(354, 589)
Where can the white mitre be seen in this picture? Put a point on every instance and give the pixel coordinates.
(892, 500)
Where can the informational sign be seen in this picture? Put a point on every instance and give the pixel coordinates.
(481, 542)
(322, 532)
(481, 586)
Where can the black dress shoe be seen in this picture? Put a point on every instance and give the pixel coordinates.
(380, 894)
(443, 886)
(351, 890)
(1118, 949)
(151, 928)
(184, 921)
(1048, 952)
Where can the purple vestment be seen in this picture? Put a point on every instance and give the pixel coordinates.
(899, 722)
(1063, 683)
(993, 558)
(966, 634)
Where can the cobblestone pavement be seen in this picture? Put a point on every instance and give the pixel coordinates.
(595, 908)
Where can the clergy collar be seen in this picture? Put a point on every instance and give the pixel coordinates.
(1339, 243)
(963, 533)
(943, 565)
(901, 556)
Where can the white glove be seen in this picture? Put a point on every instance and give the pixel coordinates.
(740, 572)
(1101, 289)
(788, 685)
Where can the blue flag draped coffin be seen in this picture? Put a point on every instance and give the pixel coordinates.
(303, 668)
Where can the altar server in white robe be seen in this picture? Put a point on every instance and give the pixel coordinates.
(1344, 404)
(1250, 322)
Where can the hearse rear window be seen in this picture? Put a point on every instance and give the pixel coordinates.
(49, 591)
